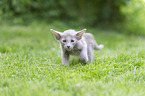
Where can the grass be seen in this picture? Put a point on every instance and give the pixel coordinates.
(30, 64)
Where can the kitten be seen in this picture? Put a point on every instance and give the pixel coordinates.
(76, 43)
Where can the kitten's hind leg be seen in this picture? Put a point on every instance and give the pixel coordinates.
(90, 53)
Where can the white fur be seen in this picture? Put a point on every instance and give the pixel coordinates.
(76, 43)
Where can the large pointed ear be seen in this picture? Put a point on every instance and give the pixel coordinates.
(56, 34)
(80, 34)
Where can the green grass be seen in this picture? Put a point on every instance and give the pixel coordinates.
(30, 64)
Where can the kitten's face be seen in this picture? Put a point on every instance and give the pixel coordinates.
(68, 42)
(68, 38)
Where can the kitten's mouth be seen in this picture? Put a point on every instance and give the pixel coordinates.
(68, 49)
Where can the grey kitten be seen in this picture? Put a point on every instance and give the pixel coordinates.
(76, 43)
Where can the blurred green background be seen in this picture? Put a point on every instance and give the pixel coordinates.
(30, 57)
(127, 16)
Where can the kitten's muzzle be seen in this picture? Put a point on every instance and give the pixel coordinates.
(68, 48)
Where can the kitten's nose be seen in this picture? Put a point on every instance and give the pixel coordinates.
(68, 46)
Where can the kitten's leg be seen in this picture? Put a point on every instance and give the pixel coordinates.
(83, 55)
(65, 58)
(90, 53)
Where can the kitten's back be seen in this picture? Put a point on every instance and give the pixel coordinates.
(89, 38)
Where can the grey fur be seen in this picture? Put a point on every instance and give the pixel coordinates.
(76, 43)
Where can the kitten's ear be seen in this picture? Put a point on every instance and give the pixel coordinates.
(80, 33)
(56, 34)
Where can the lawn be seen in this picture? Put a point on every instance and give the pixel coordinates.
(30, 64)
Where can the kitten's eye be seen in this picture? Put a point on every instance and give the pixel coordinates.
(72, 40)
(64, 40)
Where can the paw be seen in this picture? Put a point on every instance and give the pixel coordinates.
(84, 60)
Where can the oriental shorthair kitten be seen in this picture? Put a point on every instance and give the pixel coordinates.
(76, 43)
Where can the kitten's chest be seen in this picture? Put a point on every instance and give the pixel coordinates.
(75, 51)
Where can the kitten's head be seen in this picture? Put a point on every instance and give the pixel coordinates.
(68, 38)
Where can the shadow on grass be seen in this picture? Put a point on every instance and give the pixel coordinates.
(75, 61)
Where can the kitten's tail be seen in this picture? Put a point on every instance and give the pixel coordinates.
(99, 47)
